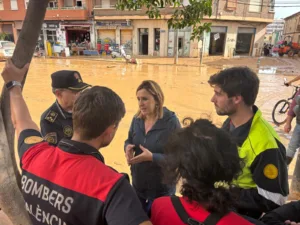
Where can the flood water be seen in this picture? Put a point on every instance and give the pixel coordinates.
(185, 88)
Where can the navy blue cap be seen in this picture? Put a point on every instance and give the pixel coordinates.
(67, 79)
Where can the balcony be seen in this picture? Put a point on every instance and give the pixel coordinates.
(109, 11)
(66, 13)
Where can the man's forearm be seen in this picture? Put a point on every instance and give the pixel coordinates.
(294, 80)
(289, 119)
(19, 111)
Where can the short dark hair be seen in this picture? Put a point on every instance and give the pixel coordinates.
(95, 110)
(201, 155)
(237, 81)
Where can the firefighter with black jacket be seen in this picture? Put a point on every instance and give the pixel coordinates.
(263, 184)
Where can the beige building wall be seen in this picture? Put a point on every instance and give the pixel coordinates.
(292, 28)
(195, 46)
(151, 25)
(232, 32)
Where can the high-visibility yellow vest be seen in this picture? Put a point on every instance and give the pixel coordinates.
(261, 137)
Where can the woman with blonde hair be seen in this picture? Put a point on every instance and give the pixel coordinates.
(148, 133)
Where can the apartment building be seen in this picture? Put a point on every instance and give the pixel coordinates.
(66, 20)
(292, 28)
(238, 27)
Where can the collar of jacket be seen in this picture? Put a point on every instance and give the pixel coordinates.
(160, 123)
(240, 133)
(75, 147)
(63, 113)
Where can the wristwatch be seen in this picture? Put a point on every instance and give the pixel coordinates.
(11, 84)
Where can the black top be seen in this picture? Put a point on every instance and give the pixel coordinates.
(56, 124)
(147, 176)
(70, 184)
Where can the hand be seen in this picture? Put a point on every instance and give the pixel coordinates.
(287, 128)
(288, 222)
(12, 73)
(129, 153)
(144, 157)
(289, 160)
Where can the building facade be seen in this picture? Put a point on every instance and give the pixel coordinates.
(276, 26)
(65, 22)
(292, 28)
(237, 28)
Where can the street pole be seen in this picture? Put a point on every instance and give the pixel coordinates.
(176, 47)
(202, 51)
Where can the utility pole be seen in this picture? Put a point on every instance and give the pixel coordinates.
(202, 50)
(176, 47)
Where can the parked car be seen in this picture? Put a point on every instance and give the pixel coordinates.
(6, 48)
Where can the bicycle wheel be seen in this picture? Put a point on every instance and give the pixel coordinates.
(279, 111)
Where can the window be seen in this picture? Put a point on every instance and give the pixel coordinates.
(161, 4)
(156, 39)
(13, 4)
(68, 3)
(79, 3)
(1, 5)
(255, 6)
(53, 4)
(272, 6)
(231, 4)
(51, 36)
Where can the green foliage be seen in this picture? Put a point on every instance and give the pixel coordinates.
(3, 36)
(190, 15)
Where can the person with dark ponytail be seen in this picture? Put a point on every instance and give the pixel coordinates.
(204, 160)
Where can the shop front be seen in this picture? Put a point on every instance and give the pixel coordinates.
(7, 31)
(183, 41)
(245, 40)
(113, 34)
(77, 36)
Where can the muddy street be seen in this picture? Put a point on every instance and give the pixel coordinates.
(186, 92)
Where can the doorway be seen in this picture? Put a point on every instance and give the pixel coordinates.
(217, 40)
(244, 42)
(143, 41)
(180, 46)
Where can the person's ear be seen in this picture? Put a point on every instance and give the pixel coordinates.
(58, 93)
(237, 99)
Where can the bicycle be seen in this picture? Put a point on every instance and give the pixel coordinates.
(282, 106)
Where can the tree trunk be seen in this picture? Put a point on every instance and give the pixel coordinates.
(11, 200)
(176, 47)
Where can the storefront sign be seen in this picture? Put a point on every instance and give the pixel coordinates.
(113, 23)
(51, 25)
